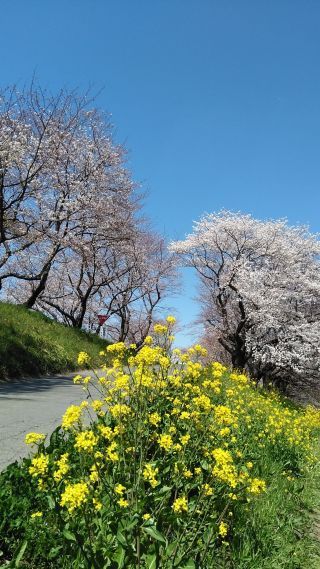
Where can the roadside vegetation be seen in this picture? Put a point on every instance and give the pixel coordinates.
(32, 344)
(183, 465)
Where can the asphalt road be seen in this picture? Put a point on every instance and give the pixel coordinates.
(33, 405)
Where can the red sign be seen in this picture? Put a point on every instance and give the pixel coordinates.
(102, 318)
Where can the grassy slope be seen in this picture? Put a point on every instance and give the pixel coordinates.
(31, 344)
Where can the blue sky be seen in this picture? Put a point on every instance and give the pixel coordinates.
(218, 102)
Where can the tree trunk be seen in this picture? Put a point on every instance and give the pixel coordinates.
(39, 289)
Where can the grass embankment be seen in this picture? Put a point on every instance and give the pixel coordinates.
(183, 466)
(32, 344)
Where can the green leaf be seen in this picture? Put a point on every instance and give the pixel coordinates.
(132, 523)
(205, 465)
(171, 547)
(121, 538)
(20, 553)
(153, 532)
(50, 502)
(151, 562)
(119, 557)
(54, 552)
(189, 565)
(69, 535)
(165, 489)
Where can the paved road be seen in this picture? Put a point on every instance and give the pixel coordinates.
(32, 405)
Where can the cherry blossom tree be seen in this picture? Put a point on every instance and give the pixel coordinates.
(23, 160)
(79, 279)
(134, 301)
(260, 293)
(63, 183)
(127, 282)
(71, 239)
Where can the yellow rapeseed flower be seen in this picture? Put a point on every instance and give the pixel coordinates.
(257, 486)
(120, 410)
(223, 529)
(34, 438)
(83, 358)
(180, 505)
(112, 453)
(39, 465)
(207, 490)
(97, 405)
(123, 503)
(149, 474)
(185, 439)
(63, 467)
(86, 440)
(154, 418)
(94, 474)
(160, 328)
(71, 417)
(165, 442)
(97, 504)
(74, 496)
(36, 515)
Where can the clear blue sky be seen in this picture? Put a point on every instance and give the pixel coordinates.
(218, 102)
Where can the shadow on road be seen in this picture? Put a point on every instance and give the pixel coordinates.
(32, 385)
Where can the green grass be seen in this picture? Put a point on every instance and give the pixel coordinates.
(279, 530)
(32, 344)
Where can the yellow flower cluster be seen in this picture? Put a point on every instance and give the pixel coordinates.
(63, 467)
(118, 349)
(207, 490)
(71, 417)
(94, 474)
(86, 440)
(180, 505)
(123, 503)
(224, 468)
(39, 465)
(112, 453)
(257, 486)
(120, 410)
(149, 474)
(223, 529)
(165, 442)
(154, 419)
(74, 496)
(184, 439)
(34, 438)
(160, 328)
(97, 405)
(36, 515)
(122, 382)
(202, 402)
(83, 359)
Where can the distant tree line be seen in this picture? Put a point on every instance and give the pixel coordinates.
(73, 242)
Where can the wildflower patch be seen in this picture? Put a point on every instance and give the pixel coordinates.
(176, 459)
